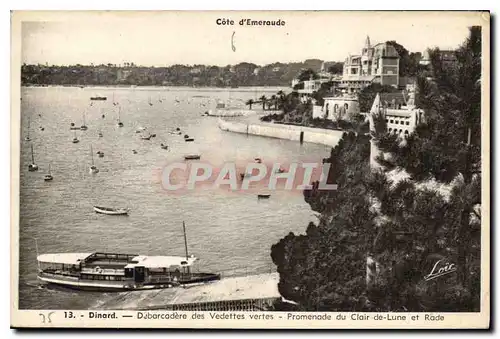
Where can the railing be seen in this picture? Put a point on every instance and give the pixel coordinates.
(263, 304)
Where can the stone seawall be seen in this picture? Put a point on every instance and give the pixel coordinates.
(237, 112)
(289, 132)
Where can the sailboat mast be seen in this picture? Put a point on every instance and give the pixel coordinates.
(185, 239)
(29, 126)
(37, 254)
(92, 155)
(119, 110)
(32, 155)
(83, 118)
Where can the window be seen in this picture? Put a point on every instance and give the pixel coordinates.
(390, 129)
(392, 121)
(407, 123)
(400, 131)
(346, 106)
(396, 121)
(406, 132)
(386, 120)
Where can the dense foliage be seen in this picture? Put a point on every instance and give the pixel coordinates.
(409, 62)
(405, 226)
(242, 74)
(368, 94)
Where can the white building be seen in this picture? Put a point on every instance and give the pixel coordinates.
(375, 64)
(401, 117)
(311, 86)
(337, 108)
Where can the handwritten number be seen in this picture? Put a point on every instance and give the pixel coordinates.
(44, 319)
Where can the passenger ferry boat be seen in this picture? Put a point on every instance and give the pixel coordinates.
(118, 272)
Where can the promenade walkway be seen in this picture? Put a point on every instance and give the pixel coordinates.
(254, 292)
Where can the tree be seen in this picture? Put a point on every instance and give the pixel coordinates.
(249, 103)
(307, 74)
(321, 269)
(447, 147)
(405, 226)
(336, 68)
(263, 99)
(408, 62)
(367, 95)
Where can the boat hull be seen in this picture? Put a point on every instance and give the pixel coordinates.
(108, 286)
(110, 212)
(192, 157)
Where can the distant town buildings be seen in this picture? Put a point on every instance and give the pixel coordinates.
(122, 74)
(375, 64)
(312, 85)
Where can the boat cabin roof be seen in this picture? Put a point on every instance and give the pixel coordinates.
(161, 261)
(63, 258)
(137, 260)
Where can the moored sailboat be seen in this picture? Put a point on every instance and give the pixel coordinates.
(75, 139)
(120, 123)
(27, 138)
(48, 176)
(83, 127)
(93, 168)
(32, 167)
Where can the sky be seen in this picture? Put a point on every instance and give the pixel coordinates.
(167, 38)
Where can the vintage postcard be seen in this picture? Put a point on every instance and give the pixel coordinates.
(318, 170)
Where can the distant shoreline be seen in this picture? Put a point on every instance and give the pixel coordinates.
(170, 88)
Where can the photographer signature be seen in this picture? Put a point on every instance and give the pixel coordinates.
(439, 270)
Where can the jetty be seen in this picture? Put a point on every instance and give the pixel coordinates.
(248, 293)
(252, 126)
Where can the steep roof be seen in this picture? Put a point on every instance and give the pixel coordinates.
(389, 98)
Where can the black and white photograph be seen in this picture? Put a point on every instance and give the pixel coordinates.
(267, 167)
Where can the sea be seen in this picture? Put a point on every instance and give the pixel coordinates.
(231, 233)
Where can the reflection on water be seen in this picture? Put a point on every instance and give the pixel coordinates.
(230, 232)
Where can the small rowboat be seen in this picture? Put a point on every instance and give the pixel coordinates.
(263, 196)
(111, 211)
(188, 139)
(192, 157)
